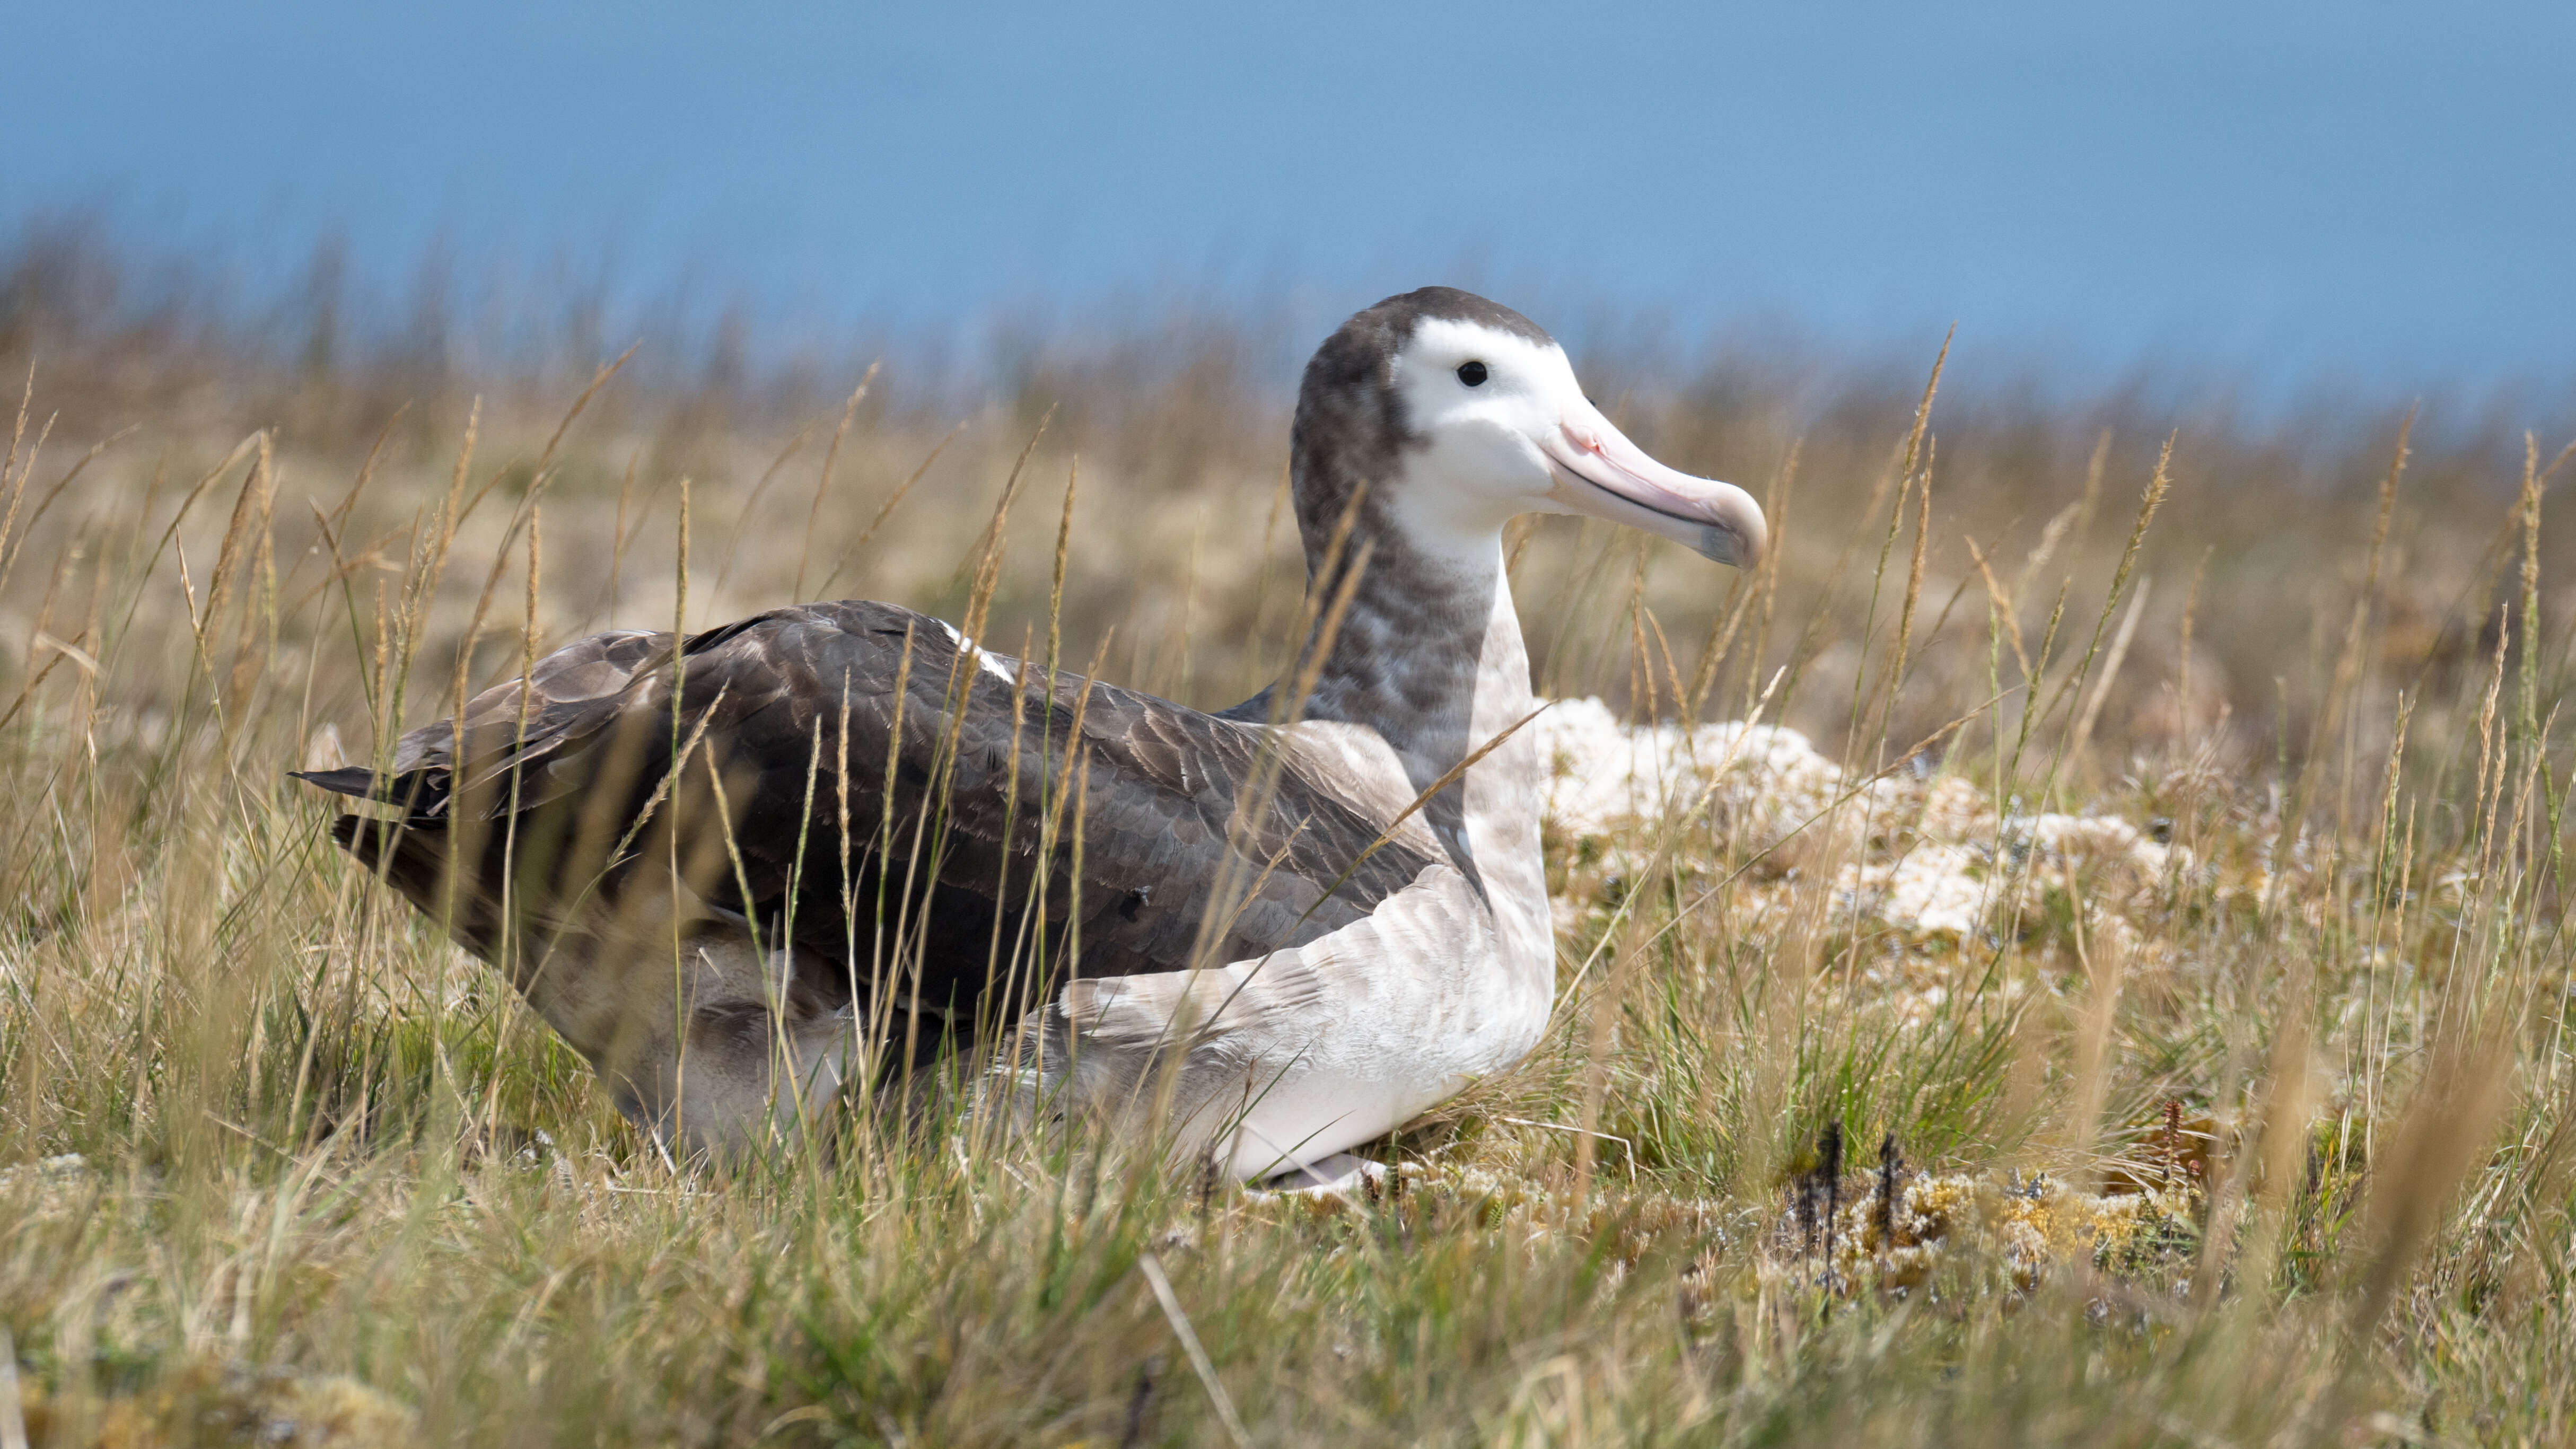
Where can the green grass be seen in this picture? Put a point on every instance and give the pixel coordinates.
(332, 1184)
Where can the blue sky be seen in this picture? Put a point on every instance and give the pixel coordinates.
(2282, 190)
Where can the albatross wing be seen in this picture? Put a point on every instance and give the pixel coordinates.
(564, 807)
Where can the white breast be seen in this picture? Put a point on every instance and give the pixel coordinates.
(1416, 1001)
(1312, 1050)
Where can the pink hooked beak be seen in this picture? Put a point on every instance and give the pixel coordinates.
(1598, 471)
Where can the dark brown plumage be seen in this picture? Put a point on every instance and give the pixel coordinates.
(547, 813)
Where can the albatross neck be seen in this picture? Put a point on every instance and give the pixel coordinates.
(1429, 652)
(1429, 657)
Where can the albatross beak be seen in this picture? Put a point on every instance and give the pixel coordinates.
(1599, 472)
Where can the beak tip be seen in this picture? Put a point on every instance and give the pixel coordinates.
(1739, 543)
(1717, 545)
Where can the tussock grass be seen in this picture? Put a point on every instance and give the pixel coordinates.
(2275, 1145)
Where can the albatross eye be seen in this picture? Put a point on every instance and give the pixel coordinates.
(1472, 373)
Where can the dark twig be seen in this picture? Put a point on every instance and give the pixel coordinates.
(1829, 1166)
(1890, 1164)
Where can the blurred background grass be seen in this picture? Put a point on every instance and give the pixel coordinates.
(1178, 412)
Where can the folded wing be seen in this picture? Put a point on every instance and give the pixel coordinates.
(846, 777)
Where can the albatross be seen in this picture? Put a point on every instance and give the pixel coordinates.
(731, 868)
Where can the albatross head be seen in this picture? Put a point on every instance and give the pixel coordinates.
(1460, 413)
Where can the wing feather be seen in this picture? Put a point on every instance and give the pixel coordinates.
(950, 785)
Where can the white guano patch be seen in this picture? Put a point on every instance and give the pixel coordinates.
(1929, 860)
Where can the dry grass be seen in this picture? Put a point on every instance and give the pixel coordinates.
(2267, 1141)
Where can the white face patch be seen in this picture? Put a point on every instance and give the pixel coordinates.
(1502, 427)
(1479, 463)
